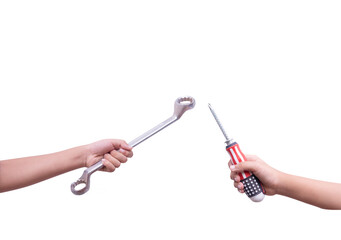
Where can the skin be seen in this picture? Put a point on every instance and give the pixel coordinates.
(322, 194)
(22, 172)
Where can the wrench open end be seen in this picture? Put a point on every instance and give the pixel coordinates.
(182, 104)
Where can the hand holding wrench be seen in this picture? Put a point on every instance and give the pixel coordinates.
(181, 105)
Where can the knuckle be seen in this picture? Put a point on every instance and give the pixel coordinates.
(109, 167)
(239, 166)
(233, 176)
(113, 153)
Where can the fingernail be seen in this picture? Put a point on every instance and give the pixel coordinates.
(121, 150)
(235, 179)
(232, 167)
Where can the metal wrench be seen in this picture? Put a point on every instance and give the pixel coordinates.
(181, 105)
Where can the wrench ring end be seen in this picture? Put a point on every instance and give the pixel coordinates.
(182, 104)
(81, 189)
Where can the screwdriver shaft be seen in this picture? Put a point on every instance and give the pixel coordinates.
(228, 140)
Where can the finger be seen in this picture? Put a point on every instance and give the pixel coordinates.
(108, 166)
(128, 154)
(252, 157)
(112, 160)
(235, 177)
(244, 166)
(230, 163)
(126, 146)
(118, 143)
(119, 156)
(239, 186)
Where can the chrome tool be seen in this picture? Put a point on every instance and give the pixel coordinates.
(181, 105)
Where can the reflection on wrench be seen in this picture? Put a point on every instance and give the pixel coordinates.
(181, 105)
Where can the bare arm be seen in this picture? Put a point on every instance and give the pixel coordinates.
(322, 194)
(22, 172)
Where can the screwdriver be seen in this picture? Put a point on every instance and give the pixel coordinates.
(252, 186)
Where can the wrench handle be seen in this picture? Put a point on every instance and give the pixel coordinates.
(252, 186)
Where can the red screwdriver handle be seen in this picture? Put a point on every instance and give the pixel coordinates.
(252, 186)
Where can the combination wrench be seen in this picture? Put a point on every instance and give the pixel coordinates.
(181, 105)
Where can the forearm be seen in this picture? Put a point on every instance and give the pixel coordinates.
(21, 172)
(322, 194)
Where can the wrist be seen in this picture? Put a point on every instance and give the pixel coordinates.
(85, 154)
(79, 156)
(282, 183)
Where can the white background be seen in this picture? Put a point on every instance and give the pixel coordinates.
(74, 72)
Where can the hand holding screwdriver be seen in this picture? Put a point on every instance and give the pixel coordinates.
(269, 177)
(252, 186)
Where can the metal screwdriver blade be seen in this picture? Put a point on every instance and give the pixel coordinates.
(219, 124)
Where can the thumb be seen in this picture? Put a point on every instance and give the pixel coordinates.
(245, 166)
(118, 143)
